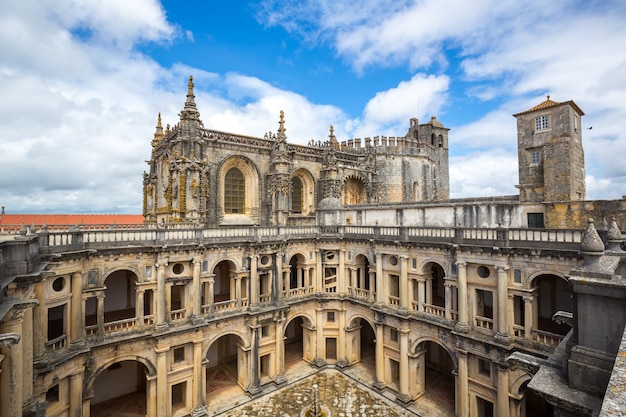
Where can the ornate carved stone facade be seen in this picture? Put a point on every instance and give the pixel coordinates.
(408, 168)
(355, 261)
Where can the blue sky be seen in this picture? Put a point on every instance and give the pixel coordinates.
(83, 81)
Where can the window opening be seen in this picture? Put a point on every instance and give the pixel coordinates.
(234, 191)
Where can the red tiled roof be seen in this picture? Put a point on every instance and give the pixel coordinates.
(547, 103)
(70, 219)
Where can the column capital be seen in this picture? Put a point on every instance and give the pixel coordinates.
(461, 264)
(502, 267)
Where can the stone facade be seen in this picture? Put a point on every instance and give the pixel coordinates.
(188, 165)
(368, 260)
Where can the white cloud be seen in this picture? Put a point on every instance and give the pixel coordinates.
(421, 95)
(483, 174)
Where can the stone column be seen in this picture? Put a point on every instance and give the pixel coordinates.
(421, 293)
(211, 292)
(198, 391)
(280, 349)
(279, 278)
(341, 339)
(404, 285)
(353, 280)
(380, 357)
(448, 300)
(255, 382)
(320, 341)
(254, 281)
(77, 320)
(528, 317)
(403, 334)
(502, 334)
(462, 325)
(380, 296)
(140, 306)
(76, 395)
(417, 387)
(151, 393)
(40, 318)
(300, 276)
(502, 399)
(196, 304)
(319, 284)
(27, 353)
(100, 314)
(161, 394)
(238, 291)
(341, 273)
(161, 308)
(11, 378)
(462, 392)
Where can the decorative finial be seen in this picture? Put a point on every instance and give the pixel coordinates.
(158, 133)
(548, 96)
(190, 86)
(190, 104)
(281, 123)
(591, 241)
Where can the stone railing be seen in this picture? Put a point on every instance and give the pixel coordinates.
(56, 344)
(85, 238)
(484, 322)
(546, 338)
(435, 310)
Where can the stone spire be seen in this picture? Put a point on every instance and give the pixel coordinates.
(158, 133)
(190, 102)
(334, 143)
(281, 135)
(190, 112)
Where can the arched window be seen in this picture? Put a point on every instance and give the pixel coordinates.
(296, 195)
(354, 192)
(234, 191)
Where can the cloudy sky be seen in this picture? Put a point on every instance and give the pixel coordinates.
(82, 82)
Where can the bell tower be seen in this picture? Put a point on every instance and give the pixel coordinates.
(550, 153)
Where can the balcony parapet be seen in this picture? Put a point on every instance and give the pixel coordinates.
(149, 235)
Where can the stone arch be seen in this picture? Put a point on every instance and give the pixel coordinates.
(308, 318)
(90, 381)
(299, 338)
(415, 345)
(308, 192)
(150, 367)
(517, 386)
(236, 263)
(435, 365)
(361, 317)
(120, 295)
(529, 282)
(224, 272)
(360, 278)
(216, 336)
(424, 263)
(551, 293)
(434, 274)
(252, 187)
(228, 349)
(354, 190)
(140, 277)
(299, 276)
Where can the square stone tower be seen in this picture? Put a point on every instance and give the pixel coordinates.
(550, 153)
